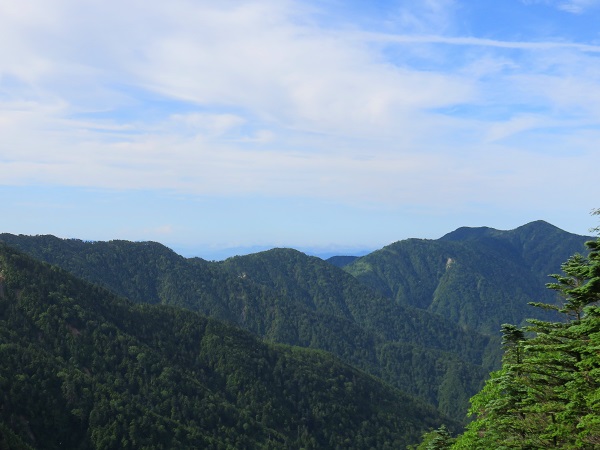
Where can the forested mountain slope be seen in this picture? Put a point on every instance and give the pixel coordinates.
(542, 247)
(477, 277)
(341, 261)
(288, 297)
(421, 353)
(546, 395)
(81, 368)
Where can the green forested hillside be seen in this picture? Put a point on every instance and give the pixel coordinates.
(422, 315)
(477, 277)
(540, 245)
(341, 261)
(327, 290)
(288, 297)
(81, 368)
(421, 353)
(379, 319)
(547, 393)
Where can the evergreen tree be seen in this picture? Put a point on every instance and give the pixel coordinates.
(547, 394)
(439, 439)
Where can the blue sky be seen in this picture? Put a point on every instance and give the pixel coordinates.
(334, 127)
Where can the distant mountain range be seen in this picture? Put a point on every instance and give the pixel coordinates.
(83, 369)
(421, 315)
(477, 277)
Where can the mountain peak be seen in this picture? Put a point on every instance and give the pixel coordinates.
(467, 233)
(537, 227)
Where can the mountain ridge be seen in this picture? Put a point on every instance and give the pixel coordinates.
(286, 296)
(471, 271)
(395, 313)
(82, 368)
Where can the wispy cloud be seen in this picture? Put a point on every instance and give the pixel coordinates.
(571, 6)
(578, 6)
(481, 42)
(239, 98)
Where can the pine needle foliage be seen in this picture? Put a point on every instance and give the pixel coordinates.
(547, 393)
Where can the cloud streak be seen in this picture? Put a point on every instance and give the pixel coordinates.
(261, 98)
(480, 42)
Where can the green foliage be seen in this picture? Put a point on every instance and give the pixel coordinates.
(421, 354)
(439, 439)
(81, 368)
(479, 278)
(123, 376)
(287, 297)
(341, 261)
(547, 393)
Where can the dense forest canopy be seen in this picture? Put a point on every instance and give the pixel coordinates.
(478, 277)
(81, 368)
(132, 360)
(285, 296)
(547, 392)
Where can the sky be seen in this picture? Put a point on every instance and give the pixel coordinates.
(333, 127)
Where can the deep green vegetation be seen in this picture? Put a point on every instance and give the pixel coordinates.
(477, 277)
(547, 392)
(420, 353)
(288, 297)
(341, 261)
(82, 368)
(421, 315)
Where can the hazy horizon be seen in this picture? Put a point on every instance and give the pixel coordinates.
(219, 253)
(307, 124)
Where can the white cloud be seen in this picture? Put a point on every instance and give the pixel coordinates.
(578, 6)
(240, 98)
(502, 130)
(202, 124)
(571, 6)
(425, 16)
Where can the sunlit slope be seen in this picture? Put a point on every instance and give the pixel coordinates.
(477, 277)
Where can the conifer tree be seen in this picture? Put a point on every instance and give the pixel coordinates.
(547, 393)
(441, 439)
